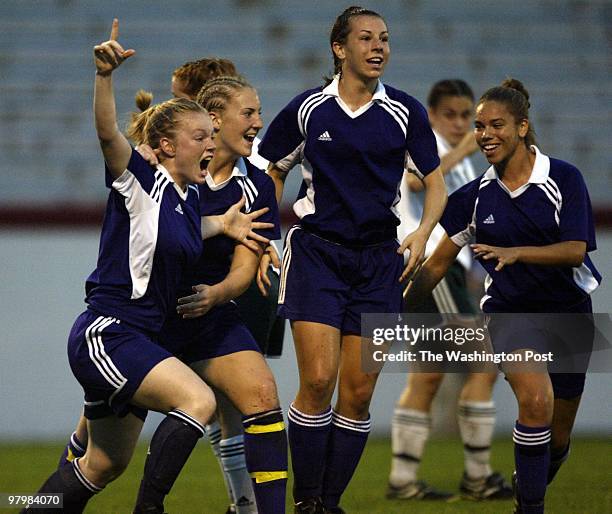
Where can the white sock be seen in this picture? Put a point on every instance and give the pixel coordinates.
(213, 432)
(409, 433)
(235, 470)
(476, 424)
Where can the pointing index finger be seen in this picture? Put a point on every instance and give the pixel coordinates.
(115, 30)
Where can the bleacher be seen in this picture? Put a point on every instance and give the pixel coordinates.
(560, 49)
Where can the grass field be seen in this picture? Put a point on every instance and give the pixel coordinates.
(583, 486)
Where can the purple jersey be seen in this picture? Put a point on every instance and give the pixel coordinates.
(150, 236)
(552, 207)
(258, 189)
(352, 161)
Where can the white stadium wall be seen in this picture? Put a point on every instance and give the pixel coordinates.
(42, 275)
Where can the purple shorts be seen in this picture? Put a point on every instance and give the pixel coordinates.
(569, 335)
(110, 359)
(219, 332)
(325, 282)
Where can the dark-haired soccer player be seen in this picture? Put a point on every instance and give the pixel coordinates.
(451, 111)
(531, 218)
(351, 138)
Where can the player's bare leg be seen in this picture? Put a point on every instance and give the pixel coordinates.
(317, 348)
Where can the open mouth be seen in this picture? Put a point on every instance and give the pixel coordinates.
(204, 163)
(489, 149)
(249, 138)
(375, 61)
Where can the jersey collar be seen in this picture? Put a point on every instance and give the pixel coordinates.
(541, 167)
(239, 170)
(539, 172)
(332, 90)
(166, 174)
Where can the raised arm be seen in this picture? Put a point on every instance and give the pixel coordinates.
(115, 147)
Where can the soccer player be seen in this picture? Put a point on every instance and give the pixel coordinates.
(257, 307)
(214, 341)
(351, 138)
(152, 233)
(258, 304)
(531, 218)
(451, 111)
(111, 347)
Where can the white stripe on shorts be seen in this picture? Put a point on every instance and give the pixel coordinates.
(285, 265)
(97, 353)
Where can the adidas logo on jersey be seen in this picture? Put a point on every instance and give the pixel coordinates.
(489, 220)
(325, 136)
(179, 209)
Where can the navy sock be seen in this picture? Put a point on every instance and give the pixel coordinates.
(265, 451)
(75, 487)
(532, 457)
(171, 445)
(308, 440)
(347, 441)
(74, 449)
(557, 458)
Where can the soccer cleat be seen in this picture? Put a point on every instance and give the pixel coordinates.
(231, 510)
(309, 506)
(515, 495)
(417, 490)
(493, 487)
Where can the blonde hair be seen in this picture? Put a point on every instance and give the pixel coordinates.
(159, 120)
(217, 92)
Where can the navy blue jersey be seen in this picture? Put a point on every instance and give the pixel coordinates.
(352, 162)
(151, 234)
(258, 189)
(554, 206)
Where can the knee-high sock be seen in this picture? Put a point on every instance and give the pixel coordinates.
(409, 432)
(265, 449)
(213, 432)
(557, 458)
(171, 445)
(234, 465)
(308, 440)
(73, 450)
(76, 488)
(532, 457)
(476, 424)
(347, 441)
